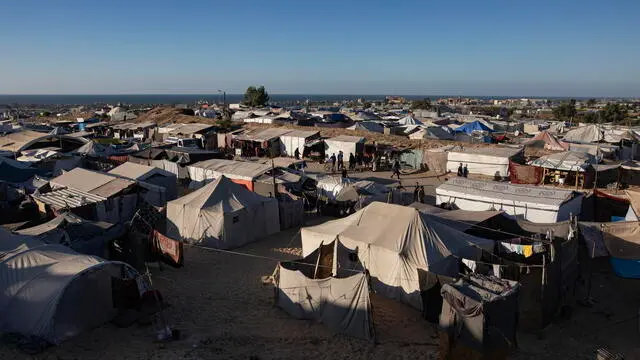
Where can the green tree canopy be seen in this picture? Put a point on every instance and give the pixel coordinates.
(565, 110)
(255, 96)
(591, 102)
(424, 104)
(613, 113)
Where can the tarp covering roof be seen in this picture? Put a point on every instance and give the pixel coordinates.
(242, 170)
(186, 129)
(457, 219)
(222, 214)
(469, 128)
(394, 242)
(566, 161)
(584, 134)
(409, 120)
(92, 182)
(138, 172)
(548, 141)
(367, 126)
(46, 290)
(433, 132)
(15, 141)
(346, 138)
(263, 135)
(95, 149)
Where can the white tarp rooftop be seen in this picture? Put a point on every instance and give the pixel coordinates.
(565, 161)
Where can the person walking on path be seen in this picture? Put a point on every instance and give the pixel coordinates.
(460, 170)
(465, 171)
(395, 168)
(352, 161)
(421, 194)
(332, 159)
(340, 160)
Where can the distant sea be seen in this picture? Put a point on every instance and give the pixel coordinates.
(191, 98)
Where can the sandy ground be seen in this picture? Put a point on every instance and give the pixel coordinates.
(223, 310)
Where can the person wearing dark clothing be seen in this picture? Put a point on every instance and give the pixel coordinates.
(465, 171)
(296, 154)
(340, 160)
(421, 194)
(460, 170)
(344, 173)
(332, 159)
(395, 168)
(352, 161)
(415, 193)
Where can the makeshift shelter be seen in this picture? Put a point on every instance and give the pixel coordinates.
(602, 207)
(296, 139)
(462, 220)
(95, 149)
(480, 313)
(329, 286)
(436, 159)
(397, 245)
(23, 140)
(565, 161)
(52, 293)
(150, 175)
(223, 215)
(547, 141)
(470, 128)
(348, 144)
(622, 240)
(584, 134)
(371, 126)
(432, 132)
(533, 203)
(409, 120)
(241, 172)
(634, 205)
(490, 161)
(13, 171)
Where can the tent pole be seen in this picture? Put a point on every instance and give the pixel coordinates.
(315, 271)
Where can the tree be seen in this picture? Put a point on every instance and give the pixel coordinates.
(565, 110)
(591, 102)
(255, 96)
(613, 113)
(424, 104)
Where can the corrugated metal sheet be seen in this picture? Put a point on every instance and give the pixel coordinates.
(68, 197)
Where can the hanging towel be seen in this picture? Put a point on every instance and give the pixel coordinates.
(497, 270)
(527, 250)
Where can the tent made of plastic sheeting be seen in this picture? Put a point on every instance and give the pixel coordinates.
(37, 155)
(634, 205)
(296, 139)
(329, 286)
(222, 215)
(566, 161)
(331, 186)
(13, 171)
(434, 132)
(394, 244)
(584, 134)
(409, 120)
(547, 141)
(599, 150)
(412, 158)
(371, 126)
(462, 220)
(150, 175)
(241, 172)
(348, 145)
(470, 128)
(436, 159)
(52, 293)
(533, 203)
(95, 149)
(490, 161)
(481, 313)
(622, 240)
(83, 236)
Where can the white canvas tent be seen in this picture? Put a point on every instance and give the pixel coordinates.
(329, 286)
(584, 134)
(533, 203)
(222, 214)
(52, 293)
(489, 161)
(296, 139)
(394, 243)
(348, 145)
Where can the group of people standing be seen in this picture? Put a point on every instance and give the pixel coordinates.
(463, 171)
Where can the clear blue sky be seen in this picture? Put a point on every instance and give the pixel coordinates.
(465, 47)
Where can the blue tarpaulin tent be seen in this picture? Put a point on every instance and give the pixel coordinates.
(471, 127)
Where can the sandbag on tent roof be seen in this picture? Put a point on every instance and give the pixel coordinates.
(330, 286)
(53, 293)
(584, 134)
(548, 141)
(396, 242)
(222, 214)
(566, 161)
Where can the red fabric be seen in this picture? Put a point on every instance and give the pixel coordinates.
(168, 248)
(525, 174)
